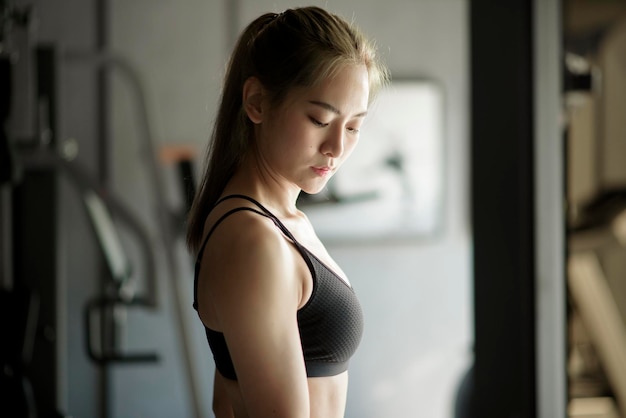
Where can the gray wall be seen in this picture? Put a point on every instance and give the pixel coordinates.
(416, 296)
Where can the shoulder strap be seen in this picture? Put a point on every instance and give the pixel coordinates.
(306, 254)
(263, 212)
(266, 212)
(219, 221)
(206, 239)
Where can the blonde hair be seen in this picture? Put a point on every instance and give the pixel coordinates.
(297, 48)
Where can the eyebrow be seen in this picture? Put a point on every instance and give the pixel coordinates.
(333, 109)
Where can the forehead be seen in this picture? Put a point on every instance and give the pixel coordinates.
(347, 90)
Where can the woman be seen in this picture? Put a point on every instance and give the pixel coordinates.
(280, 316)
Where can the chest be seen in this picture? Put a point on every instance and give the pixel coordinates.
(304, 233)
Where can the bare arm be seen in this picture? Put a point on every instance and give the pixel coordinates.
(221, 402)
(257, 292)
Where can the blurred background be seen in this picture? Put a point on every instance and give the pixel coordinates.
(510, 301)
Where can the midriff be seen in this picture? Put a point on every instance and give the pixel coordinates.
(327, 396)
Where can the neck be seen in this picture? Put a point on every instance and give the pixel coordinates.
(272, 191)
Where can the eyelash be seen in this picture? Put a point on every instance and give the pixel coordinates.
(318, 123)
(323, 125)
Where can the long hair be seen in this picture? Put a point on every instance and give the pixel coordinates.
(297, 48)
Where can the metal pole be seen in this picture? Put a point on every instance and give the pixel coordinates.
(550, 286)
(163, 215)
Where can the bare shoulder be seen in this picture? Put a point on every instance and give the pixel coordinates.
(244, 239)
(248, 259)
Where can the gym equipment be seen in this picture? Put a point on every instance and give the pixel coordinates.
(169, 231)
(19, 308)
(37, 157)
(591, 295)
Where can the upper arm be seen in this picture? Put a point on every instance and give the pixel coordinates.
(256, 296)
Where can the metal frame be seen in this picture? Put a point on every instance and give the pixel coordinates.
(517, 210)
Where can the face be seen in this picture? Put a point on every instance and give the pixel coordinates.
(307, 138)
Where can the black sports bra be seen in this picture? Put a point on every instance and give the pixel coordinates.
(330, 323)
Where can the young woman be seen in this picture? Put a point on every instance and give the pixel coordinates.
(281, 318)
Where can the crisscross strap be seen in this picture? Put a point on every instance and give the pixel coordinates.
(219, 221)
(263, 212)
(266, 212)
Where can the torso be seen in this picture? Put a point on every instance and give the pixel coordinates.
(327, 394)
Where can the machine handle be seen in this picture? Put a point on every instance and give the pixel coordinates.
(101, 355)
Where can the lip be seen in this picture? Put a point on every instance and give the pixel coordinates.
(322, 171)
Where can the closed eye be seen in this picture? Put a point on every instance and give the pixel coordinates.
(353, 130)
(318, 123)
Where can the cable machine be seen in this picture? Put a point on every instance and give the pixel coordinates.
(32, 305)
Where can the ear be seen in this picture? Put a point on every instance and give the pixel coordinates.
(253, 93)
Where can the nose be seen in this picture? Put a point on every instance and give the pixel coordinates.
(333, 145)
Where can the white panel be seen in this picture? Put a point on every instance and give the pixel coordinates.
(549, 212)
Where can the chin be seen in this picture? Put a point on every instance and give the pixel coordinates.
(314, 189)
